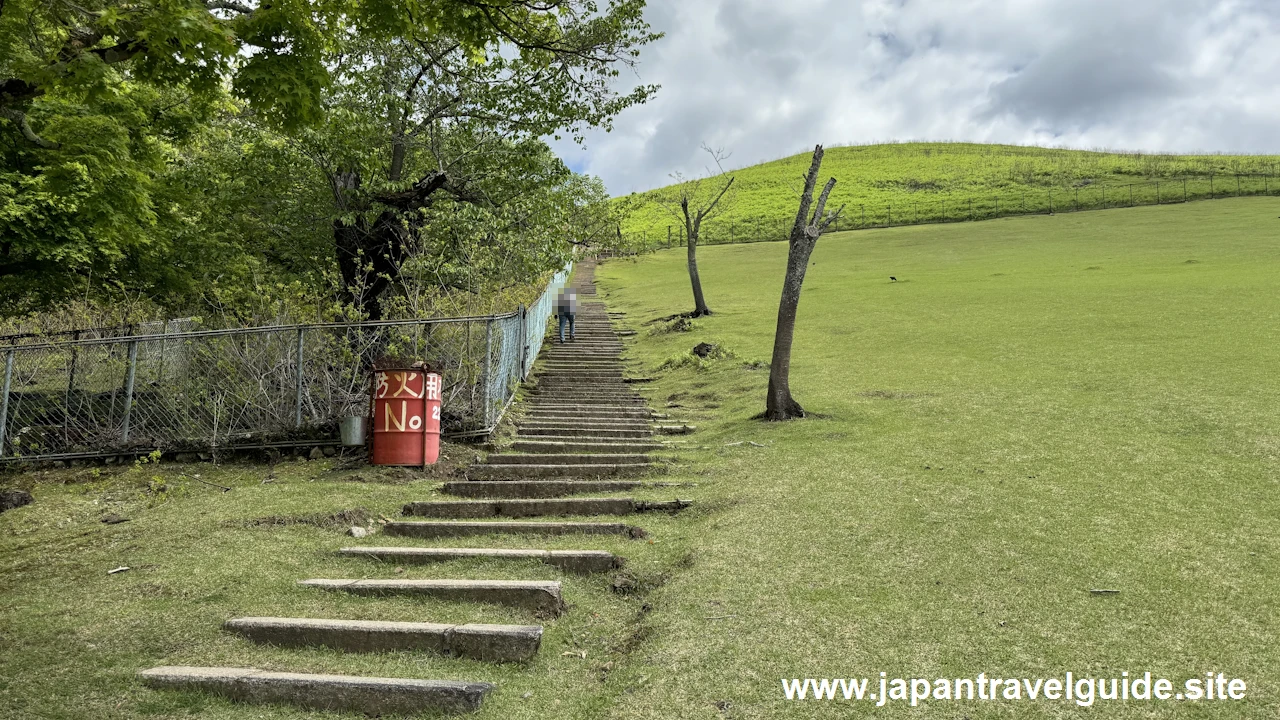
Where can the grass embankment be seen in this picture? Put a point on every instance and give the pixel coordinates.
(72, 636)
(1042, 406)
(940, 182)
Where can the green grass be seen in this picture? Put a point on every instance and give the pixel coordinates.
(941, 182)
(72, 636)
(1042, 406)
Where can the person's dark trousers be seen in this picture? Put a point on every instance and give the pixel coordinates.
(567, 318)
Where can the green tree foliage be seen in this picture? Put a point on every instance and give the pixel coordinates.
(180, 148)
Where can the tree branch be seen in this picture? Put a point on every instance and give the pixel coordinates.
(712, 206)
(232, 5)
(806, 195)
(822, 203)
(19, 118)
(835, 215)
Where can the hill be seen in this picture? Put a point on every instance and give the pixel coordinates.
(908, 183)
(1041, 407)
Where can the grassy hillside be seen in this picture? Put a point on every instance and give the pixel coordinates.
(932, 182)
(1041, 407)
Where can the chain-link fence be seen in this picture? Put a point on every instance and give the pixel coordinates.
(251, 387)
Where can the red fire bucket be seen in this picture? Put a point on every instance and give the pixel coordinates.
(406, 416)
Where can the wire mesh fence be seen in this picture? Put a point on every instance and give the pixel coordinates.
(933, 208)
(250, 387)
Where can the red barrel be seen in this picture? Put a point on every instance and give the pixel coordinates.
(406, 416)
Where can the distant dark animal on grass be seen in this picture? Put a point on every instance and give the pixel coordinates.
(894, 279)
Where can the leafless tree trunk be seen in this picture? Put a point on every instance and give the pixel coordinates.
(693, 224)
(779, 405)
(693, 202)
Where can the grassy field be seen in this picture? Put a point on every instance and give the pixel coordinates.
(1042, 406)
(939, 182)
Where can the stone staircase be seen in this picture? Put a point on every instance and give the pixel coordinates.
(582, 428)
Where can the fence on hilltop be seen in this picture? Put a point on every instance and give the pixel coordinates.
(1082, 196)
(276, 386)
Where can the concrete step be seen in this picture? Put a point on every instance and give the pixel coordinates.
(491, 643)
(581, 470)
(583, 396)
(588, 397)
(578, 561)
(587, 410)
(574, 382)
(560, 410)
(583, 424)
(537, 507)
(674, 429)
(554, 448)
(539, 596)
(604, 423)
(368, 695)
(585, 438)
(515, 458)
(582, 419)
(535, 488)
(569, 432)
(571, 373)
(564, 364)
(441, 529)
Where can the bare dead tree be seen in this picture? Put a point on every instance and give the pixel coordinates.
(808, 227)
(692, 202)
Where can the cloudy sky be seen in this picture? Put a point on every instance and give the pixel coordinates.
(768, 78)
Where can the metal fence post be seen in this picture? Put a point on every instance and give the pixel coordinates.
(4, 398)
(297, 388)
(1184, 189)
(524, 330)
(488, 355)
(128, 390)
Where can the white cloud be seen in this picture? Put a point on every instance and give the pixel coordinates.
(765, 79)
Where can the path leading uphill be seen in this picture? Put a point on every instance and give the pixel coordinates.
(582, 430)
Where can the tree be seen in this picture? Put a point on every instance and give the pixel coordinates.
(805, 231)
(692, 202)
(96, 96)
(419, 138)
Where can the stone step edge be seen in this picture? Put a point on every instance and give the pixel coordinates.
(369, 695)
(530, 507)
(581, 561)
(537, 488)
(410, 528)
(493, 643)
(540, 596)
